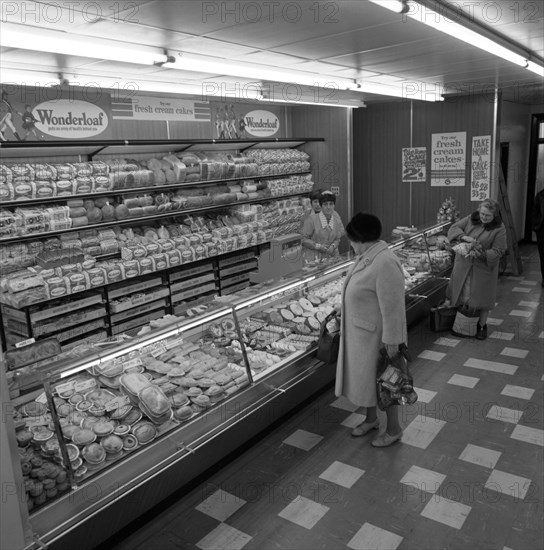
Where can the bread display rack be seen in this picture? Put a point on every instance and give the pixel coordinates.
(75, 215)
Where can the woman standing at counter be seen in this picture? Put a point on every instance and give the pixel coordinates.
(322, 231)
(373, 316)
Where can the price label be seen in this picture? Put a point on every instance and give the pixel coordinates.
(174, 343)
(37, 421)
(137, 362)
(159, 350)
(85, 385)
(117, 403)
(139, 300)
(42, 398)
(24, 343)
(65, 388)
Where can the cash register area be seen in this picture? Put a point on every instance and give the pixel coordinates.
(467, 473)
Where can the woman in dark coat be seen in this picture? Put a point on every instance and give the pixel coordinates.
(373, 316)
(474, 278)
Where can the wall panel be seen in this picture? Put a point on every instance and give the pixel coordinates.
(382, 130)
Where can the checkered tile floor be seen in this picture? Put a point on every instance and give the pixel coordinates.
(468, 472)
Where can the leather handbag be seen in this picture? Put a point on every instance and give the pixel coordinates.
(329, 342)
(394, 382)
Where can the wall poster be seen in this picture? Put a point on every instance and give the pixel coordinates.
(414, 168)
(448, 158)
(481, 168)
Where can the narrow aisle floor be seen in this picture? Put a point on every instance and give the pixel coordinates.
(468, 472)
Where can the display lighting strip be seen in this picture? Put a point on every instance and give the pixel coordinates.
(273, 293)
(477, 36)
(339, 267)
(34, 38)
(144, 343)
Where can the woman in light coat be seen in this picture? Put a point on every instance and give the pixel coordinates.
(475, 273)
(373, 314)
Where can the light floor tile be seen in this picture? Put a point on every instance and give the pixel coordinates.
(517, 391)
(432, 355)
(421, 431)
(523, 303)
(520, 313)
(528, 435)
(521, 289)
(304, 512)
(444, 341)
(353, 420)
(512, 416)
(480, 455)
(531, 283)
(446, 511)
(493, 366)
(342, 474)
(345, 404)
(303, 440)
(370, 537)
(515, 352)
(224, 537)
(424, 396)
(541, 335)
(220, 505)
(465, 381)
(498, 335)
(494, 321)
(423, 479)
(508, 484)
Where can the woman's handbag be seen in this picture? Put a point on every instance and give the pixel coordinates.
(442, 317)
(329, 341)
(394, 383)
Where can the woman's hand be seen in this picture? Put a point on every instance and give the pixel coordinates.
(467, 239)
(392, 349)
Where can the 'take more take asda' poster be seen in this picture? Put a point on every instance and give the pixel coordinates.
(54, 113)
(448, 159)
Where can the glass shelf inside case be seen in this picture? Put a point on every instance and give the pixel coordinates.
(282, 325)
(116, 402)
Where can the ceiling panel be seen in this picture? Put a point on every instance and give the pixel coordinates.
(346, 38)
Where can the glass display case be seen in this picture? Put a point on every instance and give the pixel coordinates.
(105, 437)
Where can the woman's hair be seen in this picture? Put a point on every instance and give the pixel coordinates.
(315, 195)
(491, 205)
(364, 228)
(327, 196)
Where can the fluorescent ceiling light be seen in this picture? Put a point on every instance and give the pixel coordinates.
(421, 91)
(253, 71)
(535, 68)
(307, 101)
(439, 21)
(47, 40)
(28, 78)
(397, 6)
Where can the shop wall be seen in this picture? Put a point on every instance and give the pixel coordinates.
(515, 130)
(380, 131)
(331, 159)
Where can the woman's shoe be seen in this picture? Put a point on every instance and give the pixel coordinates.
(481, 332)
(364, 428)
(385, 440)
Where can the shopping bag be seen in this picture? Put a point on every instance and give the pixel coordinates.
(466, 321)
(394, 383)
(442, 317)
(329, 341)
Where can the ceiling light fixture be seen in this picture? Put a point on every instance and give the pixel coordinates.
(398, 6)
(47, 40)
(28, 78)
(421, 91)
(468, 31)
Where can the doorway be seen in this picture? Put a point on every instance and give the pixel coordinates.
(535, 180)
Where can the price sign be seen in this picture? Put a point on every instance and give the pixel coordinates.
(137, 362)
(117, 403)
(85, 385)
